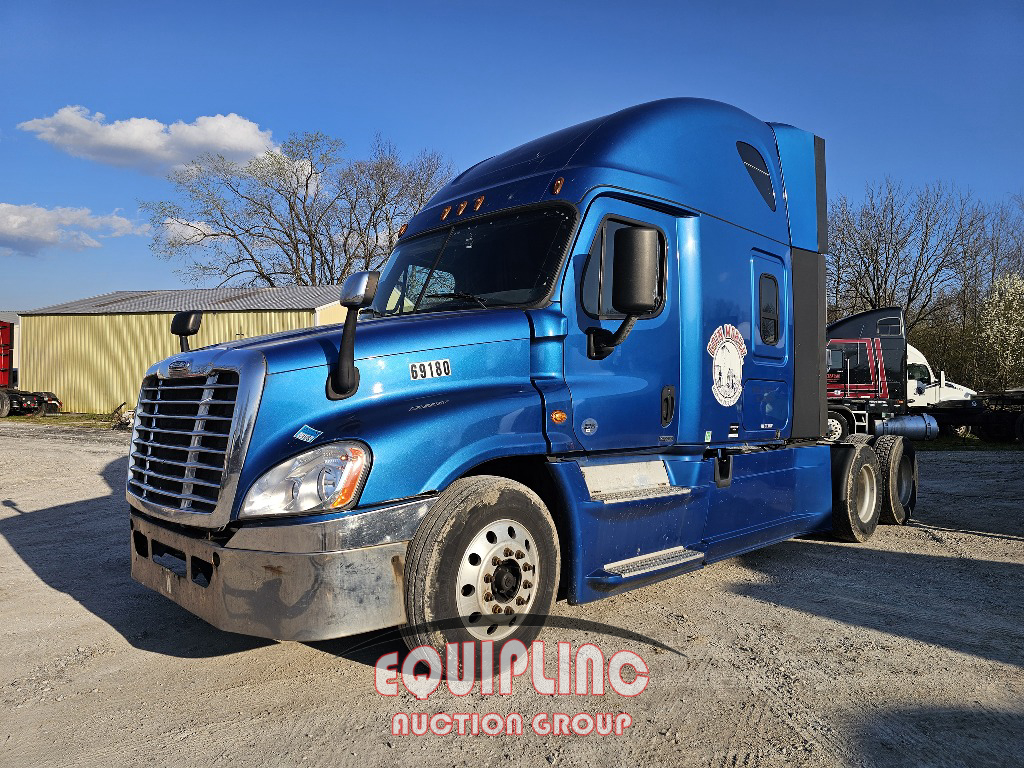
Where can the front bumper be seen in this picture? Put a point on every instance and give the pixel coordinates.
(284, 595)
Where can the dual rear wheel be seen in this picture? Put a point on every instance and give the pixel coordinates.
(874, 480)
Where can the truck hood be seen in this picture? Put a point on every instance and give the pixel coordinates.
(378, 337)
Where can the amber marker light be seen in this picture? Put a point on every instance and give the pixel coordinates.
(558, 417)
(462, 207)
(478, 202)
(350, 478)
(401, 230)
(557, 186)
(445, 212)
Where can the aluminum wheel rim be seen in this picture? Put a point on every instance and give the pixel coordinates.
(865, 494)
(835, 430)
(497, 579)
(905, 480)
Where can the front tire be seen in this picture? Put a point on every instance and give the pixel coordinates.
(483, 565)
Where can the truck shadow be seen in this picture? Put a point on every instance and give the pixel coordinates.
(939, 736)
(967, 605)
(81, 549)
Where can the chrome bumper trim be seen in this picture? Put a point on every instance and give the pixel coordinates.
(281, 595)
(383, 525)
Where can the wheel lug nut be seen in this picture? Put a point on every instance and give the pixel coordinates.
(527, 567)
(488, 596)
(487, 578)
(520, 601)
(527, 584)
(519, 554)
(508, 552)
(495, 560)
(496, 609)
(509, 610)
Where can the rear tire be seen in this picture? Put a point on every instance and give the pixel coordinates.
(859, 438)
(897, 462)
(856, 502)
(837, 427)
(488, 542)
(5, 405)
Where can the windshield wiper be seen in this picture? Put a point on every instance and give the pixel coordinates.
(458, 295)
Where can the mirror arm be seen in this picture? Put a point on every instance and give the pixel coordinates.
(344, 378)
(357, 292)
(601, 343)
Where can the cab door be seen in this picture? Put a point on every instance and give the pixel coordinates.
(629, 399)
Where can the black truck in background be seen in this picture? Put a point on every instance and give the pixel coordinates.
(867, 384)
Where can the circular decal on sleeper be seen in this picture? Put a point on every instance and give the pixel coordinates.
(727, 351)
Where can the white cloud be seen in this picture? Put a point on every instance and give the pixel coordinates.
(145, 144)
(185, 232)
(27, 229)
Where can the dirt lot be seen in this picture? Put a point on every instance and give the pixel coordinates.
(905, 651)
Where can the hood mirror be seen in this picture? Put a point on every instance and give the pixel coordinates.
(357, 292)
(359, 289)
(185, 324)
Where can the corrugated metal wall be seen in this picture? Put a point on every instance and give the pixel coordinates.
(96, 362)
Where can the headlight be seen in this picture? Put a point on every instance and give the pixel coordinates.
(328, 477)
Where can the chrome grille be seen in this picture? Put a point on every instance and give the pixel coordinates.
(183, 426)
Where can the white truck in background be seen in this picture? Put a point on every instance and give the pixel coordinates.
(925, 389)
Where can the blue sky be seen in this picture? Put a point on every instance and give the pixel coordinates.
(917, 90)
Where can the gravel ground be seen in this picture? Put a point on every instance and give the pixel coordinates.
(907, 650)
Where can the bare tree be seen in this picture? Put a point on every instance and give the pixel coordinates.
(899, 248)
(935, 252)
(301, 214)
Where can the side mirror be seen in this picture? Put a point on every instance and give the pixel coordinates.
(185, 324)
(635, 280)
(635, 271)
(359, 289)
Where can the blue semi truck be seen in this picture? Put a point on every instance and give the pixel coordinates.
(592, 362)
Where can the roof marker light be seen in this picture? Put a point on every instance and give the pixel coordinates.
(445, 212)
(478, 202)
(401, 229)
(462, 207)
(557, 186)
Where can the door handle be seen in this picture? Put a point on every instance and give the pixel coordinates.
(668, 405)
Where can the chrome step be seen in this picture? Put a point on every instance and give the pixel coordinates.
(637, 494)
(629, 481)
(654, 561)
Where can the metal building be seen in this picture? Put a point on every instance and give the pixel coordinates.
(94, 352)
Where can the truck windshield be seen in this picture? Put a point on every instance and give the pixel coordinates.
(919, 372)
(510, 259)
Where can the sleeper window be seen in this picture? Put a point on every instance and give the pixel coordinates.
(769, 304)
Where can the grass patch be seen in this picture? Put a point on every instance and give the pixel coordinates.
(76, 420)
